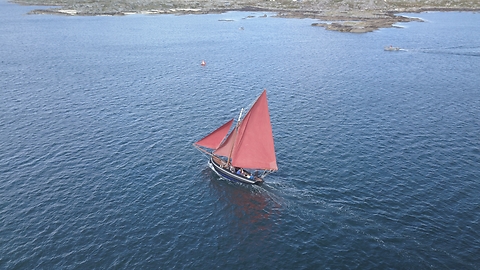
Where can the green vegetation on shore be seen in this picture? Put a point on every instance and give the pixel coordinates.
(345, 15)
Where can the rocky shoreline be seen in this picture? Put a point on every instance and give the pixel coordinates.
(354, 16)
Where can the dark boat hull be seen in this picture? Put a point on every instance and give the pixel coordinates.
(228, 175)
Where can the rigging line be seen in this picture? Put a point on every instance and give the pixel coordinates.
(247, 109)
(203, 151)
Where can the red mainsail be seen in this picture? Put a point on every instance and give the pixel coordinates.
(251, 145)
(214, 139)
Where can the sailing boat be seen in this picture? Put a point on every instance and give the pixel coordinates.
(247, 153)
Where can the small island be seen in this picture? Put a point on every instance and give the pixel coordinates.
(353, 16)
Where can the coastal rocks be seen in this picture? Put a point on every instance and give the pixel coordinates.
(352, 16)
(72, 12)
(351, 27)
(359, 21)
(364, 25)
(356, 26)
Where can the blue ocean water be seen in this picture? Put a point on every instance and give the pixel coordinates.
(378, 152)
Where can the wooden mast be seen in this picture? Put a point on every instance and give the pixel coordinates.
(234, 136)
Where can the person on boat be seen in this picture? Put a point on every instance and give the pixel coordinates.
(240, 171)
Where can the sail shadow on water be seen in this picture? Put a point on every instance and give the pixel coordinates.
(248, 208)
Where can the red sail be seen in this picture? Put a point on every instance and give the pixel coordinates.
(253, 147)
(214, 139)
(226, 148)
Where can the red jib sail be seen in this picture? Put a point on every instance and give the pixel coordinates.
(251, 146)
(214, 139)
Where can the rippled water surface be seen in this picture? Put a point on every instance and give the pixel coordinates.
(378, 152)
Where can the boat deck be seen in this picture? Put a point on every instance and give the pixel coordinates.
(228, 171)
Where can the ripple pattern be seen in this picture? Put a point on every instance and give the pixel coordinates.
(378, 152)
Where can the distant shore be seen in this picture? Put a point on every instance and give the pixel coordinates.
(354, 16)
